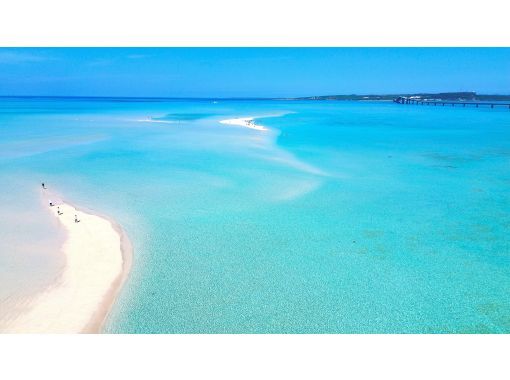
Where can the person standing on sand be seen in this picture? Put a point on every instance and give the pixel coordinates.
(76, 220)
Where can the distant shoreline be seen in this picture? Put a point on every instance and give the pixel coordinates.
(446, 96)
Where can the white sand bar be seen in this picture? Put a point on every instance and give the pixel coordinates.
(244, 122)
(81, 297)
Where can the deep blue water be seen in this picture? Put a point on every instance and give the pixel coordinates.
(345, 217)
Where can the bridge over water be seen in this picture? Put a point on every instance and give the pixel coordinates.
(407, 100)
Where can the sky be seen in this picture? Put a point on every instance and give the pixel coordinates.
(250, 72)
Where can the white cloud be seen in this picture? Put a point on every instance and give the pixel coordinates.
(20, 56)
(137, 56)
(101, 62)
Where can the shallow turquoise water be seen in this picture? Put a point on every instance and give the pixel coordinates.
(344, 218)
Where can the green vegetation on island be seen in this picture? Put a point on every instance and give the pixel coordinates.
(446, 96)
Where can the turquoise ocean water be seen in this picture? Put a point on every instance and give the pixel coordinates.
(345, 217)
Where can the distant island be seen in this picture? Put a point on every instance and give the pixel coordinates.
(446, 96)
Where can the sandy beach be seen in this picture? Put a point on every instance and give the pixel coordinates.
(98, 258)
(244, 122)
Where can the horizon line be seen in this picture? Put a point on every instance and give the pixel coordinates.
(238, 98)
